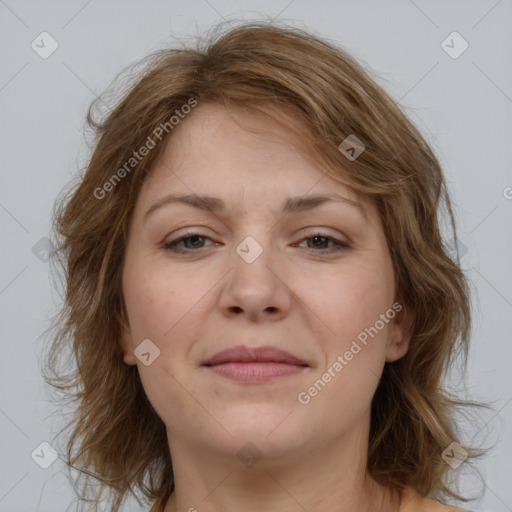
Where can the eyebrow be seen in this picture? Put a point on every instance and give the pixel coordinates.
(290, 205)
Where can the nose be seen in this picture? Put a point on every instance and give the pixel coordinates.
(256, 287)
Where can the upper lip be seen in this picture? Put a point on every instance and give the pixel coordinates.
(244, 354)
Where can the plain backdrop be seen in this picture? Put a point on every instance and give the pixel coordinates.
(460, 97)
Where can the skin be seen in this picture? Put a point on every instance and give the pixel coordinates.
(298, 295)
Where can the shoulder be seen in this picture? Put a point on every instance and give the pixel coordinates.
(412, 501)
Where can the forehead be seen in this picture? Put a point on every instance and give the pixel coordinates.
(215, 137)
(239, 156)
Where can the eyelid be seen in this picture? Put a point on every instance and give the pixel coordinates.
(312, 231)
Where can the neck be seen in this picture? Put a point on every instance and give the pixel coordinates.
(331, 476)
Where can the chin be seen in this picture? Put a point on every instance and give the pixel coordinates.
(252, 448)
(274, 432)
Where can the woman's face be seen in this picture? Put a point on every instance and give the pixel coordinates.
(269, 264)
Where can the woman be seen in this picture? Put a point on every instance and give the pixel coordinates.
(259, 300)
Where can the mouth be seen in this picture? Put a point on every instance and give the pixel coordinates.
(255, 364)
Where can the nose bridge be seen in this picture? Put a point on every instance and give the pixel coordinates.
(252, 259)
(254, 230)
(253, 286)
(250, 250)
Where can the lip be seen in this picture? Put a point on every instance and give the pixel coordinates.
(244, 354)
(255, 364)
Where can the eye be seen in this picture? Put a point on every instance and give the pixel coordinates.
(194, 238)
(320, 239)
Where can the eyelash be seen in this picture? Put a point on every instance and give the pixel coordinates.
(172, 244)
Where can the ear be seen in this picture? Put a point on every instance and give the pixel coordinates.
(126, 344)
(400, 334)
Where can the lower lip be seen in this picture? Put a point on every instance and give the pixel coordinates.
(256, 371)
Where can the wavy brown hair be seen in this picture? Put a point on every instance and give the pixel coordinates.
(117, 442)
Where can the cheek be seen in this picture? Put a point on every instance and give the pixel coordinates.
(169, 309)
(152, 300)
(350, 302)
(146, 304)
(158, 309)
(354, 346)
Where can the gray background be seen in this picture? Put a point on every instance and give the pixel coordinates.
(462, 105)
